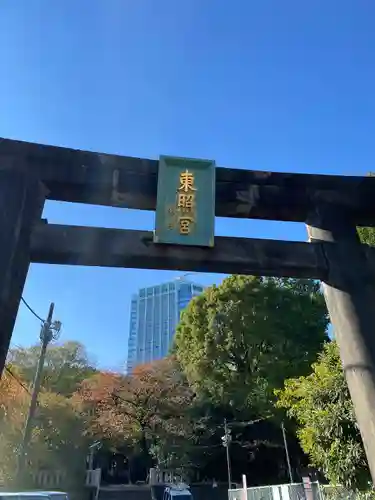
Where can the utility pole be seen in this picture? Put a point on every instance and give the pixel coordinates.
(227, 438)
(287, 453)
(48, 332)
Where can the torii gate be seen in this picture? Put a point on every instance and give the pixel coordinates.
(331, 206)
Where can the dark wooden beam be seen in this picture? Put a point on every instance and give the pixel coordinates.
(87, 246)
(87, 177)
(21, 204)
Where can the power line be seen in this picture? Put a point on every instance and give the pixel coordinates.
(245, 424)
(17, 380)
(16, 346)
(32, 310)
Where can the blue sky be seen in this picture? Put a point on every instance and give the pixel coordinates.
(268, 84)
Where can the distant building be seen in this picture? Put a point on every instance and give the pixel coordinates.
(154, 314)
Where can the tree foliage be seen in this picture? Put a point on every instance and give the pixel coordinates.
(58, 435)
(144, 412)
(234, 346)
(13, 407)
(237, 342)
(59, 440)
(321, 405)
(367, 235)
(66, 366)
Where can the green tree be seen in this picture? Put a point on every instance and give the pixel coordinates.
(59, 440)
(321, 405)
(237, 342)
(14, 401)
(367, 235)
(66, 366)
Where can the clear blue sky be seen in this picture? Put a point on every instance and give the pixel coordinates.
(268, 84)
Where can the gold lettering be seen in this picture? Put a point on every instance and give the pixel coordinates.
(187, 181)
(185, 224)
(185, 201)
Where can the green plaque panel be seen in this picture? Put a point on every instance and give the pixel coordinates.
(185, 209)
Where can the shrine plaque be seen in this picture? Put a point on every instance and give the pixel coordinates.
(185, 209)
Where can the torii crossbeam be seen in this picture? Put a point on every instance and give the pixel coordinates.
(331, 206)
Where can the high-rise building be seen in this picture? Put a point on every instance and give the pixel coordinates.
(154, 314)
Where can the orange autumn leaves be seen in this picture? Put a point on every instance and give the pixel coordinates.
(145, 413)
(13, 400)
(151, 401)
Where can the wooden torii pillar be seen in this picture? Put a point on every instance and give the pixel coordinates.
(21, 204)
(349, 290)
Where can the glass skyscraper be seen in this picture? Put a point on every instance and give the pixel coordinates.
(154, 314)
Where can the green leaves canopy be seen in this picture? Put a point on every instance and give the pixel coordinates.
(66, 366)
(321, 405)
(367, 235)
(59, 440)
(238, 341)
